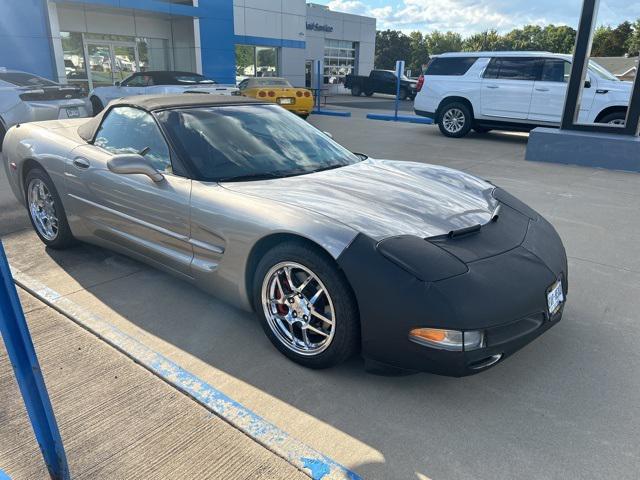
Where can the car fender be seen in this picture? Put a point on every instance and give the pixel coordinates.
(34, 142)
(227, 225)
(10, 114)
(105, 94)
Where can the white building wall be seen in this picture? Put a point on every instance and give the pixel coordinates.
(345, 26)
(278, 21)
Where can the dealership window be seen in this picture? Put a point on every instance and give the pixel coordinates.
(74, 63)
(92, 59)
(339, 60)
(256, 62)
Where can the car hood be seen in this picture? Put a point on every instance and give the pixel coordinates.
(383, 198)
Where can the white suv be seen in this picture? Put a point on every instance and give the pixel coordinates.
(514, 91)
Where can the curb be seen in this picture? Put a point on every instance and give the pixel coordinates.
(309, 461)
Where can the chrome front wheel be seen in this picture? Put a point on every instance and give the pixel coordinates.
(42, 209)
(298, 308)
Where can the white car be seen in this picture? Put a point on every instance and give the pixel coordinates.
(158, 83)
(25, 97)
(514, 91)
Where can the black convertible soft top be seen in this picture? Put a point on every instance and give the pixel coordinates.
(152, 103)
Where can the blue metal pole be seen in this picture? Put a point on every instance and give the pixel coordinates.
(319, 79)
(17, 340)
(399, 64)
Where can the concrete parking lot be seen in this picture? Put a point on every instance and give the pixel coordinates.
(566, 406)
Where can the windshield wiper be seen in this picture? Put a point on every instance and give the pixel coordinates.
(322, 169)
(251, 176)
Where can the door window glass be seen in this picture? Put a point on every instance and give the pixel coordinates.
(513, 68)
(100, 66)
(137, 81)
(450, 65)
(131, 130)
(555, 70)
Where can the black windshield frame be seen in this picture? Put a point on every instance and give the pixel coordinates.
(336, 155)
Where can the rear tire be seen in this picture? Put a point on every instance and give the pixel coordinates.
(96, 104)
(368, 94)
(3, 132)
(455, 120)
(615, 118)
(44, 206)
(285, 312)
(356, 91)
(403, 94)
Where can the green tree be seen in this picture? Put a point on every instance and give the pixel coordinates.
(419, 53)
(488, 41)
(633, 42)
(438, 42)
(612, 42)
(560, 39)
(391, 45)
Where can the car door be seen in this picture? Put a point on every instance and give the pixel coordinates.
(146, 217)
(134, 85)
(550, 90)
(388, 83)
(507, 87)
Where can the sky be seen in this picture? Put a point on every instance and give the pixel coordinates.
(469, 16)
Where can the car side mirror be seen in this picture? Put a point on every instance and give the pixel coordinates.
(133, 163)
(117, 84)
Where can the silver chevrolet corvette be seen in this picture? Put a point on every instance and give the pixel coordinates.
(416, 266)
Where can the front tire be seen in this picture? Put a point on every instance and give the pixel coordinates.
(46, 212)
(306, 306)
(356, 91)
(455, 120)
(96, 105)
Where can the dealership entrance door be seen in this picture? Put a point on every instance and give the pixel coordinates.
(110, 61)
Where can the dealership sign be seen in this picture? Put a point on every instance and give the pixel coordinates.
(319, 28)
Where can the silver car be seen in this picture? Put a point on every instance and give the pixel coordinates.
(25, 97)
(418, 267)
(158, 83)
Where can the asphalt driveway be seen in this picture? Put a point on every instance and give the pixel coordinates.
(567, 406)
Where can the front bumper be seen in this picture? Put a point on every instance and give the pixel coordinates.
(503, 294)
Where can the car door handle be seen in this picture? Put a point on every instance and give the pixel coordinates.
(81, 163)
(493, 86)
(542, 89)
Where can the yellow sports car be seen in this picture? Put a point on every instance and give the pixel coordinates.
(279, 90)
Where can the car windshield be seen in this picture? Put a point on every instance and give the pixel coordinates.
(192, 79)
(602, 72)
(250, 142)
(22, 79)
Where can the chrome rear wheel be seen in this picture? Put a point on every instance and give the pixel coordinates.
(42, 209)
(453, 120)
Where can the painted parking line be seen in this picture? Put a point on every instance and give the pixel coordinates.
(303, 457)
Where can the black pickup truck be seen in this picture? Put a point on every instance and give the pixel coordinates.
(380, 81)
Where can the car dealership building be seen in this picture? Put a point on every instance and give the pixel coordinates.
(98, 42)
